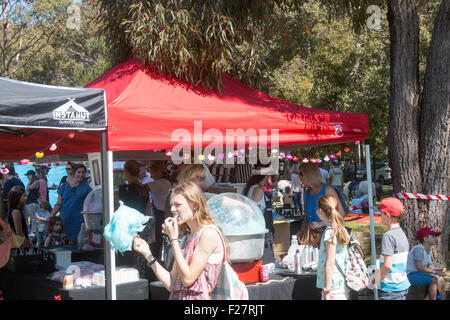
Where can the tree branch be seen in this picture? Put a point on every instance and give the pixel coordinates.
(26, 48)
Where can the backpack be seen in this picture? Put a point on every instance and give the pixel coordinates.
(356, 274)
(228, 286)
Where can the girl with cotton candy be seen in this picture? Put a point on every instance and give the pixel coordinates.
(199, 255)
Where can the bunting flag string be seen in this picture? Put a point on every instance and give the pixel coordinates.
(52, 147)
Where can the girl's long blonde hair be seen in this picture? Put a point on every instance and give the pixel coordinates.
(196, 200)
(330, 207)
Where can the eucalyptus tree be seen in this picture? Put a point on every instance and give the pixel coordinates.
(191, 39)
(419, 108)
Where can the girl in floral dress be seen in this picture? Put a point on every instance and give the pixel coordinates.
(199, 255)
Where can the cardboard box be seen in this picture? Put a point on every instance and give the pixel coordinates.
(122, 275)
(282, 236)
(61, 257)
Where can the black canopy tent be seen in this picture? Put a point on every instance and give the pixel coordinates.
(30, 105)
(39, 114)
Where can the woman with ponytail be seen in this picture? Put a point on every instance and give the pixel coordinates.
(333, 250)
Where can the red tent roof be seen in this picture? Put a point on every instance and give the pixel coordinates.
(32, 141)
(145, 108)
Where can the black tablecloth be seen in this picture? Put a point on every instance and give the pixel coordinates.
(305, 285)
(282, 285)
(36, 286)
(97, 256)
(277, 288)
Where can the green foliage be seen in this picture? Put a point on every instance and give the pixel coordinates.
(330, 63)
(326, 65)
(192, 40)
(313, 53)
(26, 27)
(70, 57)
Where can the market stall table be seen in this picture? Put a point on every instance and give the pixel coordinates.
(37, 287)
(96, 255)
(282, 285)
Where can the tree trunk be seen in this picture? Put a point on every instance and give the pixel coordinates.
(403, 131)
(16, 64)
(435, 129)
(4, 25)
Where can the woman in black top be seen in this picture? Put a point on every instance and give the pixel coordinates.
(135, 195)
(16, 219)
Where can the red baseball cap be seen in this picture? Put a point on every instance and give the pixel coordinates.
(391, 206)
(423, 232)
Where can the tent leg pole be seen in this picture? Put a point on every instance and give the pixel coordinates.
(108, 209)
(372, 226)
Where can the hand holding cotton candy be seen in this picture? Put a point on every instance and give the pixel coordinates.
(123, 227)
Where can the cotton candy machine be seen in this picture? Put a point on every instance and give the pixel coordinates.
(242, 223)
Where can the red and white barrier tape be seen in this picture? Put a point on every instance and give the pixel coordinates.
(421, 196)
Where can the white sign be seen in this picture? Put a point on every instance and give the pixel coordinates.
(71, 113)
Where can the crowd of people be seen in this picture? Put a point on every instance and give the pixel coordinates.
(185, 248)
(28, 210)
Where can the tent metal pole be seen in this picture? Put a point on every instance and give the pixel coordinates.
(372, 226)
(108, 209)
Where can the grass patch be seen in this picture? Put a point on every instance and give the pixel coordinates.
(365, 227)
(387, 191)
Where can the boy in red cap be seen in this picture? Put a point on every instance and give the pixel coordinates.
(394, 282)
(421, 270)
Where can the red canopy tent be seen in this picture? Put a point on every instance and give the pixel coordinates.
(144, 108)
